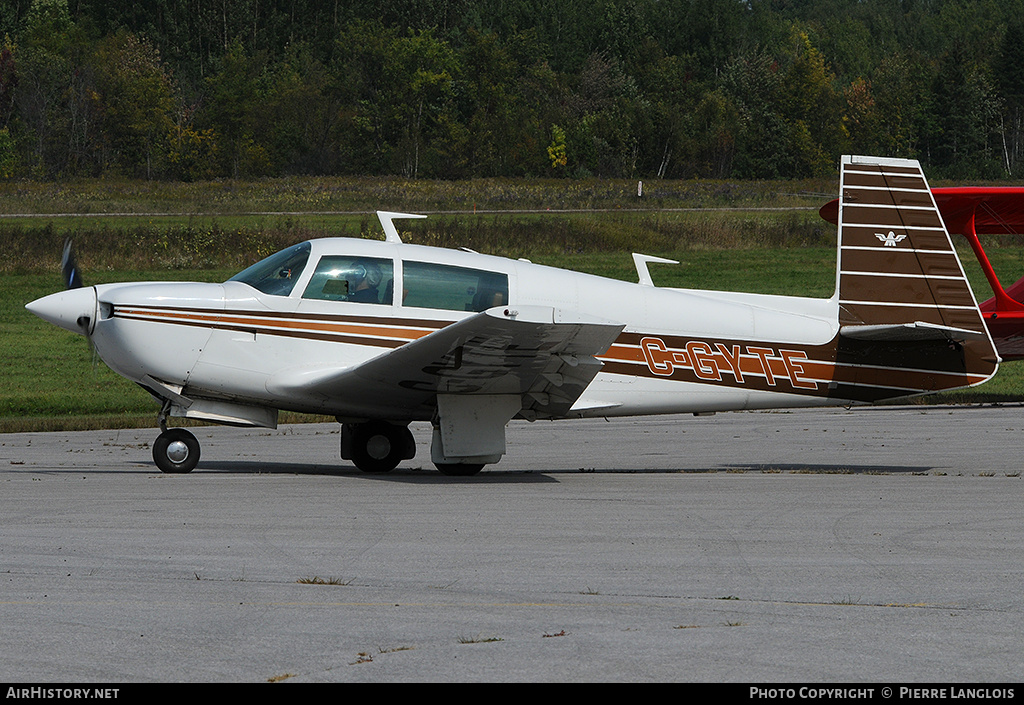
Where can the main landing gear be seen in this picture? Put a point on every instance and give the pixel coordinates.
(376, 446)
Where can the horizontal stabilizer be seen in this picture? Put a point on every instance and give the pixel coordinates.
(918, 330)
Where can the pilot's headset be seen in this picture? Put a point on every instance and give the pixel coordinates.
(369, 271)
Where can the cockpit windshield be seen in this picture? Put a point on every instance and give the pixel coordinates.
(278, 273)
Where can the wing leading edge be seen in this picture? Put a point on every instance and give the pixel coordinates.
(544, 355)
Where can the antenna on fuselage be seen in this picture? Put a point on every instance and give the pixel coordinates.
(641, 262)
(390, 231)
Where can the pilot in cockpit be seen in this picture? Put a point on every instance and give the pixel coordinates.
(365, 278)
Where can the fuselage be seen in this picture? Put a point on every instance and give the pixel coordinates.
(681, 350)
(254, 339)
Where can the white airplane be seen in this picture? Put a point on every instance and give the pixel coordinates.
(381, 334)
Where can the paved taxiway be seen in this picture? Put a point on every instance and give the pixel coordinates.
(873, 545)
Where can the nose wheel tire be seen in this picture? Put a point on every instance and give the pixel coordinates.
(176, 451)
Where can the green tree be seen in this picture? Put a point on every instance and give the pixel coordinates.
(8, 81)
(716, 124)
(419, 72)
(603, 110)
(299, 112)
(887, 112)
(556, 150)
(966, 109)
(360, 54)
(503, 121)
(53, 96)
(765, 143)
(815, 108)
(1009, 76)
(399, 95)
(134, 97)
(231, 111)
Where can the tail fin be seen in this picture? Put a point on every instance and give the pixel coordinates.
(902, 292)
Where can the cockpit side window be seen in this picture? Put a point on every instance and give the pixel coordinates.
(346, 278)
(278, 273)
(452, 288)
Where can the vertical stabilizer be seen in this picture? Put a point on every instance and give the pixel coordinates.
(902, 292)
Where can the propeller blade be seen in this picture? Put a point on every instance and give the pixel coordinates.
(69, 268)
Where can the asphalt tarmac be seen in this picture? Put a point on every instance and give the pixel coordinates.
(877, 545)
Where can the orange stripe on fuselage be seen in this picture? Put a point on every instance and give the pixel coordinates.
(278, 322)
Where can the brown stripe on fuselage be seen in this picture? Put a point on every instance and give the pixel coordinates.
(373, 320)
(243, 323)
(362, 330)
(850, 378)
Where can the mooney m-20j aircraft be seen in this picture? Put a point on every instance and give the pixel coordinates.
(384, 333)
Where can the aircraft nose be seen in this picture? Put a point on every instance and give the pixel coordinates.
(73, 309)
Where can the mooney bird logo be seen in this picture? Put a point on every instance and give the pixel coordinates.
(891, 239)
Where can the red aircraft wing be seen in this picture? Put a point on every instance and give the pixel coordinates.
(985, 210)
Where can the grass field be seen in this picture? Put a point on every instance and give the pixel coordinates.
(367, 194)
(51, 382)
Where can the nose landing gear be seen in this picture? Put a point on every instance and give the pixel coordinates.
(176, 451)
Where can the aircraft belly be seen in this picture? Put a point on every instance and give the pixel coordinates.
(625, 396)
(613, 395)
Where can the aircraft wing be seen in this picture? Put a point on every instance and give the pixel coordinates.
(996, 209)
(545, 355)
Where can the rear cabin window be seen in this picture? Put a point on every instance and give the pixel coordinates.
(452, 288)
(359, 279)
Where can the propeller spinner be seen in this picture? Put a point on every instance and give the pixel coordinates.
(73, 309)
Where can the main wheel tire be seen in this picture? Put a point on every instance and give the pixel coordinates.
(176, 451)
(459, 469)
(377, 446)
